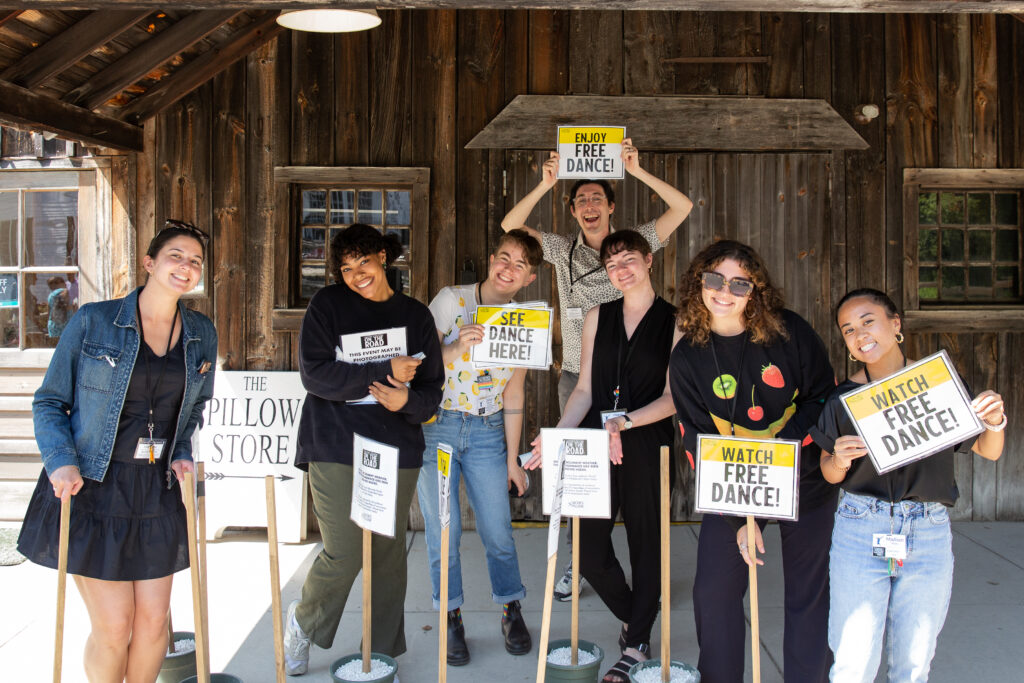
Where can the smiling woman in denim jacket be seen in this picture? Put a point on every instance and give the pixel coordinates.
(114, 419)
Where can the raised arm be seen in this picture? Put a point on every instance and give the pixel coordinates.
(516, 218)
(679, 205)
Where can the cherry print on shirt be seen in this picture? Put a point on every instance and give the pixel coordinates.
(754, 412)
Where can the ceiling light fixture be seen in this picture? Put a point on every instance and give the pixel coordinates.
(329, 20)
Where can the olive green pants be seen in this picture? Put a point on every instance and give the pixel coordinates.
(330, 579)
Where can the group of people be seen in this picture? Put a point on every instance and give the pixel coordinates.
(129, 378)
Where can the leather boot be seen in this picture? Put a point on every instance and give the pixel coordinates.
(517, 637)
(458, 652)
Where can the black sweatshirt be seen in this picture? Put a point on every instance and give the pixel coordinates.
(328, 423)
(778, 393)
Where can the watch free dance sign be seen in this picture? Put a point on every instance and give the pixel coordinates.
(758, 477)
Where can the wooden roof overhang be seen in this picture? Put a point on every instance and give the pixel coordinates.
(891, 6)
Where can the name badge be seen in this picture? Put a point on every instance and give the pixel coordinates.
(611, 415)
(889, 546)
(574, 313)
(150, 449)
(487, 405)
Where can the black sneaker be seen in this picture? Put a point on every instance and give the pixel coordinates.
(513, 627)
(458, 651)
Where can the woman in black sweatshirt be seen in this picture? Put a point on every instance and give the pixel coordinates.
(406, 391)
(747, 366)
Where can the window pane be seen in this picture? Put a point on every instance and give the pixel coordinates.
(979, 243)
(405, 281)
(1006, 208)
(343, 207)
(927, 288)
(979, 282)
(371, 207)
(9, 229)
(314, 203)
(313, 278)
(54, 299)
(1007, 282)
(952, 208)
(952, 245)
(928, 245)
(927, 210)
(1006, 245)
(979, 208)
(313, 246)
(398, 208)
(51, 228)
(9, 327)
(952, 282)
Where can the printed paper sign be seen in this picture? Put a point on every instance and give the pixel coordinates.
(740, 476)
(582, 454)
(555, 523)
(920, 410)
(514, 337)
(590, 152)
(444, 490)
(250, 427)
(374, 485)
(366, 347)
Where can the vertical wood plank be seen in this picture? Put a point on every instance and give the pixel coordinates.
(312, 85)
(1010, 468)
(392, 73)
(595, 71)
(738, 34)
(351, 99)
(983, 40)
(549, 52)
(1010, 91)
(954, 90)
(146, 175)
(985, 348)
(648, 38)
(783, 36)
(123, 224)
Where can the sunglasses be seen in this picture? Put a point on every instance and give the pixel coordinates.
(716, 282)
(172, 224)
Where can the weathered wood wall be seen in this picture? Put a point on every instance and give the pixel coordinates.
(415, 90)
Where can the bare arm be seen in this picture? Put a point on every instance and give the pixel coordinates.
(516, 218)
(989, 407)
(679, 205)
(513, 399)
(581, 398)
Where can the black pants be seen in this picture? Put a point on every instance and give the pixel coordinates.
(721, 583)
(635, 492)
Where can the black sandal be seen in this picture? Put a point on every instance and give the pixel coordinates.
(619, 673)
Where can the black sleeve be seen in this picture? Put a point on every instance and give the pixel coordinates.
(690, 407)
(425, 390)
(817, 379)
(828, 429)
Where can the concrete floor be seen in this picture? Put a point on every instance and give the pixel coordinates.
(979, 642)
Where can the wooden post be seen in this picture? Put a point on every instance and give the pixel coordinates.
(442, 657)
(574, 630)
(666, 578)
(62, 582)
(202, 664)
(367, 588)
(545, 623)
(755, 628)
(203, 573)
(275, 579)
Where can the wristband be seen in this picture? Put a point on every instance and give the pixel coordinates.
(996, 428)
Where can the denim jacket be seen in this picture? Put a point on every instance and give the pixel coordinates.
(77, 408)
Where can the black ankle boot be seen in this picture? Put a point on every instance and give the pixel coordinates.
(517, 638)
(458, 652)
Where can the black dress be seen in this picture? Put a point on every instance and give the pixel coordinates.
(130, 526)
(638, 367)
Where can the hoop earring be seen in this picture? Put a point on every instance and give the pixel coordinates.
(851, 357)
(899, 337)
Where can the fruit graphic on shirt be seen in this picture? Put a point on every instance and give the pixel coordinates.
(463, 399)
(772, 376)
(464, 376)
(754, 412)
(724, 386)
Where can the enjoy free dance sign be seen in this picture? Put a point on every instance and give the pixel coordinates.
(590, 152)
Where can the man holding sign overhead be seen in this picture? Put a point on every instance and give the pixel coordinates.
(481, 418)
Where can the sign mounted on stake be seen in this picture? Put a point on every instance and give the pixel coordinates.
(444, 484)
(921, 410)
(742, 476)
(582, 456)
(514, 337)
(374, 485)
(590, 152)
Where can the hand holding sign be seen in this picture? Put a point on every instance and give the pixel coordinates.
(392, 397)
(550, 171)
(988, 406)
(470, 335)
(848, 449)
(741, 541)
(403, 368)
(630, 156)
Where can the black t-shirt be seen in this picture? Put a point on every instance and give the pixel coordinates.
(166, 392)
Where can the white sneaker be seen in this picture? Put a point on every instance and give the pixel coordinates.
(296, 644)
(563, 587)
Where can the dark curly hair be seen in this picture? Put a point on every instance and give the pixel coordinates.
(874, 296)
(764, 306)
(360, 239)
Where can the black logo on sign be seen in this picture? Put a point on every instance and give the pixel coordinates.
(371, 460)
(374, 341)
(575, 446)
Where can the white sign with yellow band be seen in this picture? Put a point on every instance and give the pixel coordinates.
(919, 411)
(514, 336)
(444, 489)
(743, 476)
(590, 152)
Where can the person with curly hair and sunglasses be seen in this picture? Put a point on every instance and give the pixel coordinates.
(747, 366)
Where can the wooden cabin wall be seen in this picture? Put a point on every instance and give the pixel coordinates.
(415, 90)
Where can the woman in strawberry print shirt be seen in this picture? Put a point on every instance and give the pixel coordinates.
(749, 367)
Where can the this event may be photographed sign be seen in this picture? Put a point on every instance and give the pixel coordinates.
(555, 522)
(920, 410)
(249, 431)
(374, 485)
(582, 455)
(366, 347)
(590, 152)
(743, 476)
(514, 336)
(444, 484)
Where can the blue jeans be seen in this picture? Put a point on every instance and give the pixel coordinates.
(479, 457)
(867, 603)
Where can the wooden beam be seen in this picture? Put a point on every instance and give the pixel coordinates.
(8, 15)
(147, 56)
(981, 178)
(717, 60)
(23, 108)
(675, 123)
(70, 46)
(202, 68)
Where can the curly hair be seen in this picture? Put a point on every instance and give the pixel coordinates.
(763, 312)
(360, 239)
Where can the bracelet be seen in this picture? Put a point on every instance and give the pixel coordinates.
(996, 428)
(841, 469)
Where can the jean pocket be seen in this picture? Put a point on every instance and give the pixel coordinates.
(938, 515)
(495, 420)
(853, 509)
(96, 364)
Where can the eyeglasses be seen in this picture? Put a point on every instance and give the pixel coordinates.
(172, 224)
(596, 199)
(717, 282)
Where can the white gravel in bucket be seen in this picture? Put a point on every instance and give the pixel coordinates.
(353, 671)
(563, 656)
(652, 674)
(183, 646)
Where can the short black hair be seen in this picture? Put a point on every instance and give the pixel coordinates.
(875, 296)
(609, 193)
(623, 240)
(360, 239)
(532, 251)
(175, 228)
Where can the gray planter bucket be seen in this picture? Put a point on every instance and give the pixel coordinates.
(386, 678)
(215, 678)
(587, 673)
(656, 664)
(178, 667)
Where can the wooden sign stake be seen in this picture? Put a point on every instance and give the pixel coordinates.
(170, 634)
(62, 582)
(202, 663)
(666, 578)
(275, 580)
(442, 657)
(203, 573)
(755, 628)
(367, 587)
(574, 631)
(545, 623)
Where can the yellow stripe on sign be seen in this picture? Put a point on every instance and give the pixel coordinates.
(443, 461)
(515, 317)
(899, 388)
(614, 136)
(775, 453)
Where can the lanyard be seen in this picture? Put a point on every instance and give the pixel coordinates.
(150, 388)
(735, 396)
(618, 354)
(572, 250)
